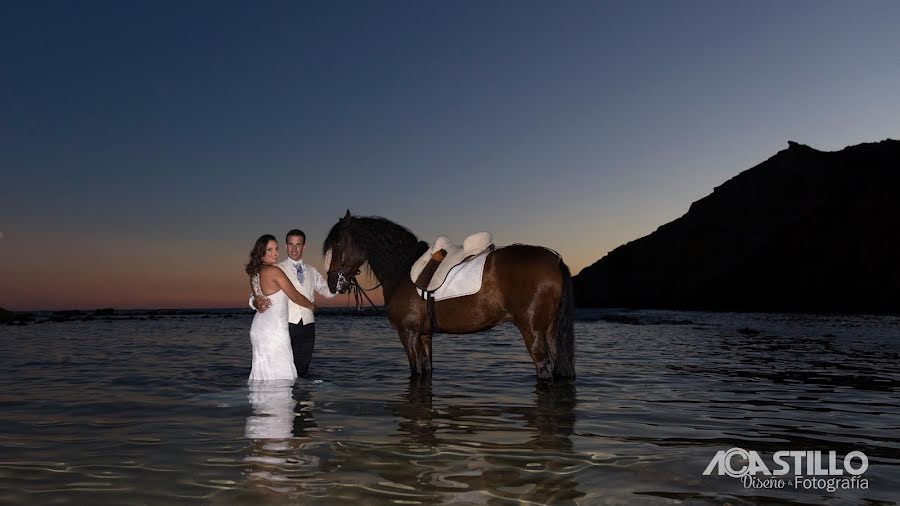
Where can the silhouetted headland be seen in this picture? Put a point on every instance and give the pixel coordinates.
(806, 230)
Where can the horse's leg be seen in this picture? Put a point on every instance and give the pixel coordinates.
(418, 351)
(424, 352)
(407, 340)
(534, 311)
(536, 344)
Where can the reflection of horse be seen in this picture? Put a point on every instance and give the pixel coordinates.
(528, 285)
(545, 477)
(552, 417)
(416, 413)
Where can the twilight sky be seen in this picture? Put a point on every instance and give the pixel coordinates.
(144, 146)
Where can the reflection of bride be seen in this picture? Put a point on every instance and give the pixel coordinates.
(277, 459)
(273, 410)
(270, 427)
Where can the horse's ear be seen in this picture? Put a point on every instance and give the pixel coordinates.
(347, 216)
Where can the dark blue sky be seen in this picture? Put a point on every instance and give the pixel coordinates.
(145, 145)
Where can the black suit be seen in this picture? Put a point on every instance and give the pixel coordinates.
(303, 340)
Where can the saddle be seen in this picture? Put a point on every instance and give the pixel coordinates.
(430, 271)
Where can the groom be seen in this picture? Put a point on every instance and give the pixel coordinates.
(307, 280)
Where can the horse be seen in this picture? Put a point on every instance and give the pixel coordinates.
(528, 285)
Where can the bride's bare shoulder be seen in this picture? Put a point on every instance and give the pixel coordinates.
(270, 270)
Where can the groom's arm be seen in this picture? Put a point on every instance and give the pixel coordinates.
(259, 303)
(321, 286)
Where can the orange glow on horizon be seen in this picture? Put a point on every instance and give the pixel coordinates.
(162, 273)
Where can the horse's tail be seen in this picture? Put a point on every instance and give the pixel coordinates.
(565, 327)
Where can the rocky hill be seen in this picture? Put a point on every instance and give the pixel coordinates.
(806, 230)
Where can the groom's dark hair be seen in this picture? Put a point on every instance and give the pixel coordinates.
(295, 232)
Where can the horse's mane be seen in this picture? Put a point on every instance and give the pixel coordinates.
(390, 248)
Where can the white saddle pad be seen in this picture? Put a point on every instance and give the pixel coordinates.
(464, 279)
(474, 244)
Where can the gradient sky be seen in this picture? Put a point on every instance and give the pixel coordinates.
(145, 145)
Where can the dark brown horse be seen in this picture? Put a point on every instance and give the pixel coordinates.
(528, 285)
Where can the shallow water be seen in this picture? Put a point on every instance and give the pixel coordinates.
(158, 412)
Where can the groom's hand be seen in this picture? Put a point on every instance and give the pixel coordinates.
(261, 303)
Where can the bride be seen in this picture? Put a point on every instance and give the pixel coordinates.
(272, 355)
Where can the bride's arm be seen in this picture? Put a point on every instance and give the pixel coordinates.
(258, 301)
(285, 284)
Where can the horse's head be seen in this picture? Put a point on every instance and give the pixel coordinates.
(342, 255)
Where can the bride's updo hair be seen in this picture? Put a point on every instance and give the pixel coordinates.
(257, 254)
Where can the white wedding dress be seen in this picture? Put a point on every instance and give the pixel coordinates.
(273, 358)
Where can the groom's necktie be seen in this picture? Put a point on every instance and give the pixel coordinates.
(299, 273)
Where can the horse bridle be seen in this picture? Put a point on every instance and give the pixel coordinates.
(354, 287)
(349, 280)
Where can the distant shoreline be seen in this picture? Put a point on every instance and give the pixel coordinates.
(70, 315)
(620, 315)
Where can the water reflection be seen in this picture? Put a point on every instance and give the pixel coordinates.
(495, 461)
(118, 411)
(415, 411)
(273, 410)
(278, 454)
(553, 418)
(547, 476)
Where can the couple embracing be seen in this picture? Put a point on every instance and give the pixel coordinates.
(283, 332)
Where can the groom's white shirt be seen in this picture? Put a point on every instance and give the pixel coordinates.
(312, 282)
